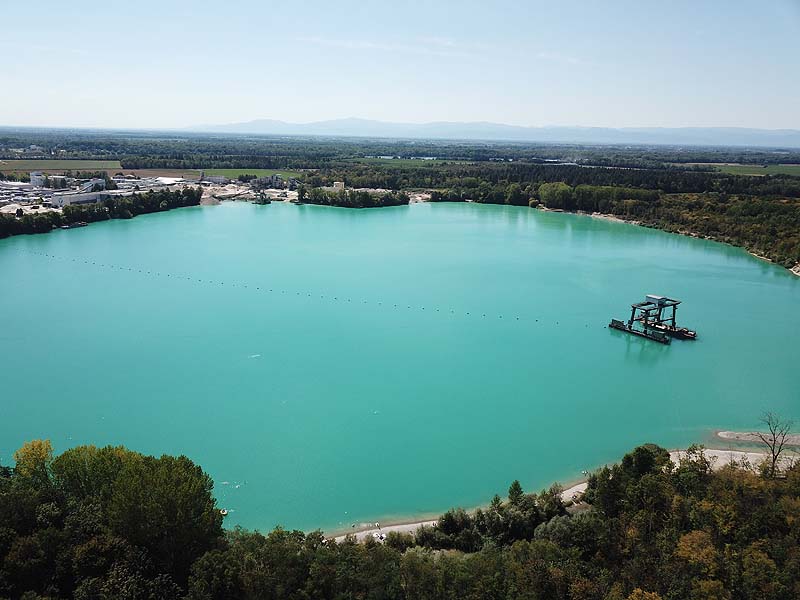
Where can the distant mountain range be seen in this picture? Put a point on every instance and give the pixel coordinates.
(696, 136)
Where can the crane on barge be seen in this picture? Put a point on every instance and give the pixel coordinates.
(655, 319)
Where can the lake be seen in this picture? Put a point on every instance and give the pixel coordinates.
(332, 366)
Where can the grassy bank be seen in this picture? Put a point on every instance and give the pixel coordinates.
(754, 169)
(25, 166)
(234, 173)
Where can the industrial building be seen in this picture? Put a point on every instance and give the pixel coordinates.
(272, 182)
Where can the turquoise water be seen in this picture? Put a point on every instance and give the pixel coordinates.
(330, 366)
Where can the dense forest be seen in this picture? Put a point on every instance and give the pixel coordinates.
(477, 179)
(143, 149)
(118, 207)
(109, 523)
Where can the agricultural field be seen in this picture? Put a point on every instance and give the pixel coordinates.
(189, 174)
(234, 173)
(57, 166)
(760, 170)
(739, 169)
(113, 166)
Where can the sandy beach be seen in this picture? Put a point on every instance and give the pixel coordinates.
(719, 458)
(594, 215)
(752, 437)
(607, 217)
(410, 527)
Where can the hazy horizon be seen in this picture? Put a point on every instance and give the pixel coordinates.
(480, 121)
(198, 127)
(173, 65)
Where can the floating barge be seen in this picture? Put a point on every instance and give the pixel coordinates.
(655, 320)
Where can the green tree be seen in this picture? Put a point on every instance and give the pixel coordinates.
(165, 505)
(33, 460)
(515, 492)
(556, 195)
(515, 196)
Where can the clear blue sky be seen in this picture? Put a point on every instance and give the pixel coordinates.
(174, 63)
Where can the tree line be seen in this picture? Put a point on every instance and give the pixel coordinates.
(767, 226)
(102, 523)
(351, 198)
(15, 176)
(115, 207)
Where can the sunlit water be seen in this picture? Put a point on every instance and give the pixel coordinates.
(330, 366)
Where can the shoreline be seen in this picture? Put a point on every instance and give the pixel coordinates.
(795, 270)
(411, 524)
(751, 437)
(211, 200)
(719, 457)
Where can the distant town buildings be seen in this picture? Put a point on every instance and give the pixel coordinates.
(62, 199)
(216, 179)
(45, 191)
(93, 185)
(59, 182)
(53, 192)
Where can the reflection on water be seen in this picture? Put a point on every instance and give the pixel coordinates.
(641, 350)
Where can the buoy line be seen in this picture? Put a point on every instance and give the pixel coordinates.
(264, 289)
